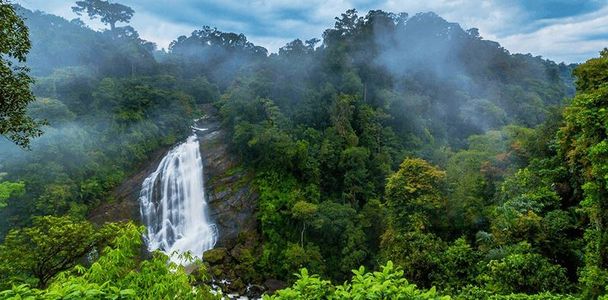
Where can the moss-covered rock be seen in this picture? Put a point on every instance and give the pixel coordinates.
(232, 201)
(215, 256)
(217, 272)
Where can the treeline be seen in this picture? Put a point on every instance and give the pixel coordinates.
(519, 212)
(411, 140)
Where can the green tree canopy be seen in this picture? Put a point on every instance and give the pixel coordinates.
(15, 82)
(109, 13)
(8, 188)
(49, 246)
(584, 145)
(414, 192)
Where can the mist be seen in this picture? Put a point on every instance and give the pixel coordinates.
(394, 135)
(430, 76)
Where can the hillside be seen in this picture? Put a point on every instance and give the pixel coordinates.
(403, 144)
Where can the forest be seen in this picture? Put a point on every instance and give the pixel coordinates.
(401, 156)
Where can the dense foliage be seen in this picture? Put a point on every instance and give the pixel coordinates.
(118, 273)
(15, 82)
(403, 144)
(583, 147)
(386, 284)
(107, 115)
(369, 149)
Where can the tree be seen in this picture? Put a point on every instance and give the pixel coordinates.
(120, 273)
(412, 194)
(305, 212)
(15, 93)
(458, 264)
(7, 189)
(525, 273)
(341, 117)
(356, 183)
(413, 201)
(418, 253)
(110, 13)
(584, 145)
(51, 245)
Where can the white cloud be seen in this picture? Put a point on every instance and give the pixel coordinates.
(272, 23)
(566, 39)
(162, 32)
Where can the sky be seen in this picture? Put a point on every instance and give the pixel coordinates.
(568, 31)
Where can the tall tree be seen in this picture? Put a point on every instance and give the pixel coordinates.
(15, 82)
(7, 189)
(413, 194)
(109, 13)
(584, 144)
(51, 245)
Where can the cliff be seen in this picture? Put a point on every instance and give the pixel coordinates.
(227, 186)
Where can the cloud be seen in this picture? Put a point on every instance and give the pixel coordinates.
(562, 30)
(568, 39)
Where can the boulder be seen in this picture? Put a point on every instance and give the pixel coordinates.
(215, 255)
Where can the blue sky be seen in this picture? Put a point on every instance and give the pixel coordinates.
(561, 30)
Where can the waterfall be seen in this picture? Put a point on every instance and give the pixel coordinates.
(173, 204)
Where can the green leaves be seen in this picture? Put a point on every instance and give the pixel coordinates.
(592, 74)
(119, 273)
(525, 273)
(414, 193)
(51, 245)
(14, 40)
(383, 285)
(583, 143)
(303, 210)
(7, 189)
(15, 83)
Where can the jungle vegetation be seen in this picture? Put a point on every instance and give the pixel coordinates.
(400, 157)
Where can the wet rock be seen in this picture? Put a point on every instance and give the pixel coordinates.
(232, 205)
(255, 291)
(274, 285)
(232, 202)
(123, 204)
(235, 273)
(215, 255)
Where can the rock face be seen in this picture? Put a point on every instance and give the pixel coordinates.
(232, 202)
(232, 206)
(124, 203)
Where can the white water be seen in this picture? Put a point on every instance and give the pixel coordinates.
(173, 204)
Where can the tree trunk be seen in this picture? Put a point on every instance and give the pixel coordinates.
(302, 234)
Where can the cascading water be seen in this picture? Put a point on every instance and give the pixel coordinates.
(173, 204)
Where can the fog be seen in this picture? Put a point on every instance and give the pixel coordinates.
(112, 99)
(396, 136)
